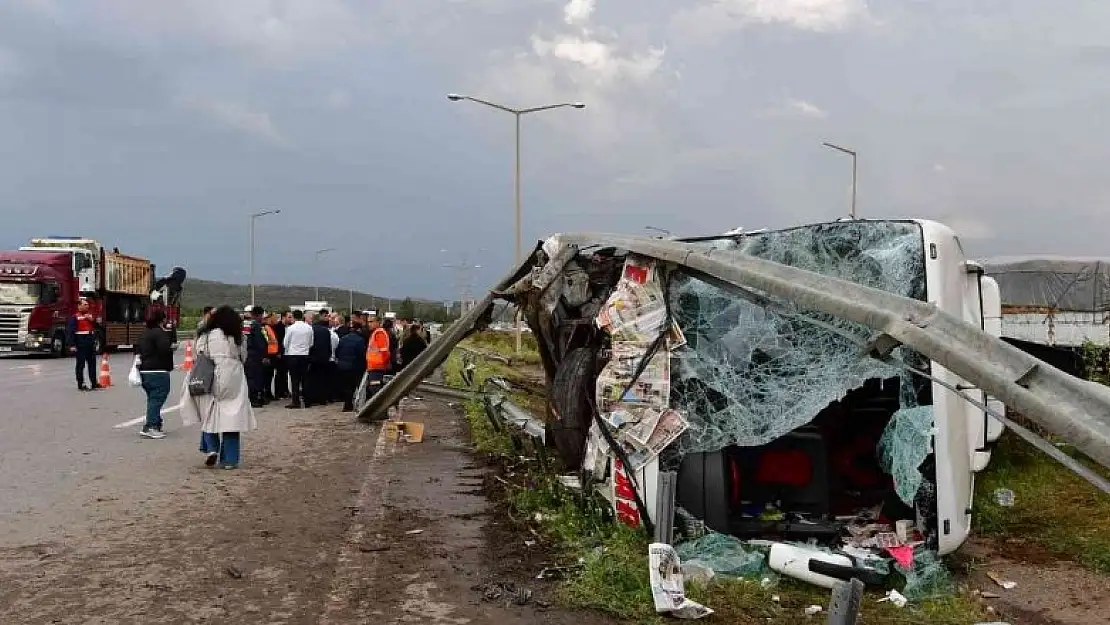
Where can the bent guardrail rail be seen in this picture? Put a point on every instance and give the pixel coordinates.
(1076, 410)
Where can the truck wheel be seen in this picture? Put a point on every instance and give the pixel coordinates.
(58, 347)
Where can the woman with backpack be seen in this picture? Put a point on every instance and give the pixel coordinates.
(216, 393)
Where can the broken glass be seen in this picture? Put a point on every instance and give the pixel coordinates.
(754, 373)
(904, 445)
(927, 579)
(724, 555)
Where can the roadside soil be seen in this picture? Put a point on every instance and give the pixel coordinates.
(326, 522)
(1049, 591)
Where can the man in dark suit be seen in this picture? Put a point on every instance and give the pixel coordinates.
(320, 365)
(254, 366)
(281, 367)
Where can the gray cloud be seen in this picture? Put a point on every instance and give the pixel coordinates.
(160, 126)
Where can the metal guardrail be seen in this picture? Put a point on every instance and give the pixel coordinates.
(1073, 409)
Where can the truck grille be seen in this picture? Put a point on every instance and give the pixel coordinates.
(13, 326)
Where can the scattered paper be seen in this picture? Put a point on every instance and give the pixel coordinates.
(813, 609)
(896, 598)
(671, 425)
(667, 591)
(652, 387)
(996, 578)
(414, 532)
(636, 310)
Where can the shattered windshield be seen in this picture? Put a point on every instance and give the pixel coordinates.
(753, 374)
(19, 294)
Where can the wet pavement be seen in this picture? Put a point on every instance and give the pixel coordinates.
(58, 445)
(99, 526)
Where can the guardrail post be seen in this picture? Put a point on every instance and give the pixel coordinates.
(845, 603)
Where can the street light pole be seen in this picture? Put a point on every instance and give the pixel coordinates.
(315, 268)
(253, 217)
(852, 153)
(517, 113)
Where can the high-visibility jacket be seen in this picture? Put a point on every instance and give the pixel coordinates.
(85, 324)
(378, 354)
(271, 340)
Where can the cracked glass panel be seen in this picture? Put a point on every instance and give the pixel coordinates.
(752, 374)
(904, 446)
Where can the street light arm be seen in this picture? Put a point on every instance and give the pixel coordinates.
(485, 102)
(840, 149)
(536, 109)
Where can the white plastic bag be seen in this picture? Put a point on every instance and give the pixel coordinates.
(135, 378)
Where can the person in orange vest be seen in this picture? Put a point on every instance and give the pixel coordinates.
(379, 357)
(82, 329)
(273, 353)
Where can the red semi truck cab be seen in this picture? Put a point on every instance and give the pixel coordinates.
(41, 284)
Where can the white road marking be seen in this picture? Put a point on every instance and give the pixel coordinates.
(138, 420)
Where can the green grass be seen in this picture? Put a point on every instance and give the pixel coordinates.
(504, 343)
(613, 578)
(1054, 509)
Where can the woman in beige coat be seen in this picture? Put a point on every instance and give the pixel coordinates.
(226, 412)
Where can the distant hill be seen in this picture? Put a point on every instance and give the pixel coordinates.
(200, 293)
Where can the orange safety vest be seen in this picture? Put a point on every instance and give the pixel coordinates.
(377, 352)
(85, 324)
(271, 340)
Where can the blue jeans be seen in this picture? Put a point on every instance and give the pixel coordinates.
(226, 444)
(157, 387)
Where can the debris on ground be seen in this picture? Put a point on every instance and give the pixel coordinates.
(1002, 583)
(555, 572)
(233, 571)
(813, 609)
(722, 554)
(667, 586)
(1005, 497)
(507, 593)
(896, 598)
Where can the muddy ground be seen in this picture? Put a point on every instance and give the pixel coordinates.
(326, 522)
(329, 522)
(1049, 591)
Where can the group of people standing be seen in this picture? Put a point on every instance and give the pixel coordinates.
(312, 359)
(319, 358)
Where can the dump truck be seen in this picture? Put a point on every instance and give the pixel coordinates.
(42, 283)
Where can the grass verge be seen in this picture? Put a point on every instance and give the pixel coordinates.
(613, 578)
(1054, 509)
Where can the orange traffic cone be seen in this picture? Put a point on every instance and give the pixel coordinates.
(188, 364)
(105, 372)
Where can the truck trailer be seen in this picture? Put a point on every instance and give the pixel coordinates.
(42, 283)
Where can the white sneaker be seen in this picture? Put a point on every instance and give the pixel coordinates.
(155, 434)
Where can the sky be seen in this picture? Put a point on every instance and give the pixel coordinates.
(159, 126)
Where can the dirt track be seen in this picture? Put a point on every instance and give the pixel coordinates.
(311, 530)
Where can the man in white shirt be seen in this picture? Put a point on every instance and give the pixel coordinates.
(298, 342)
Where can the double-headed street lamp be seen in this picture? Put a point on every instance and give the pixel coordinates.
(255, 216)
(852, 153)
(517, 113)
(315, 268)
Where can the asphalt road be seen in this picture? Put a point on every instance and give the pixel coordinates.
(62, 449)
